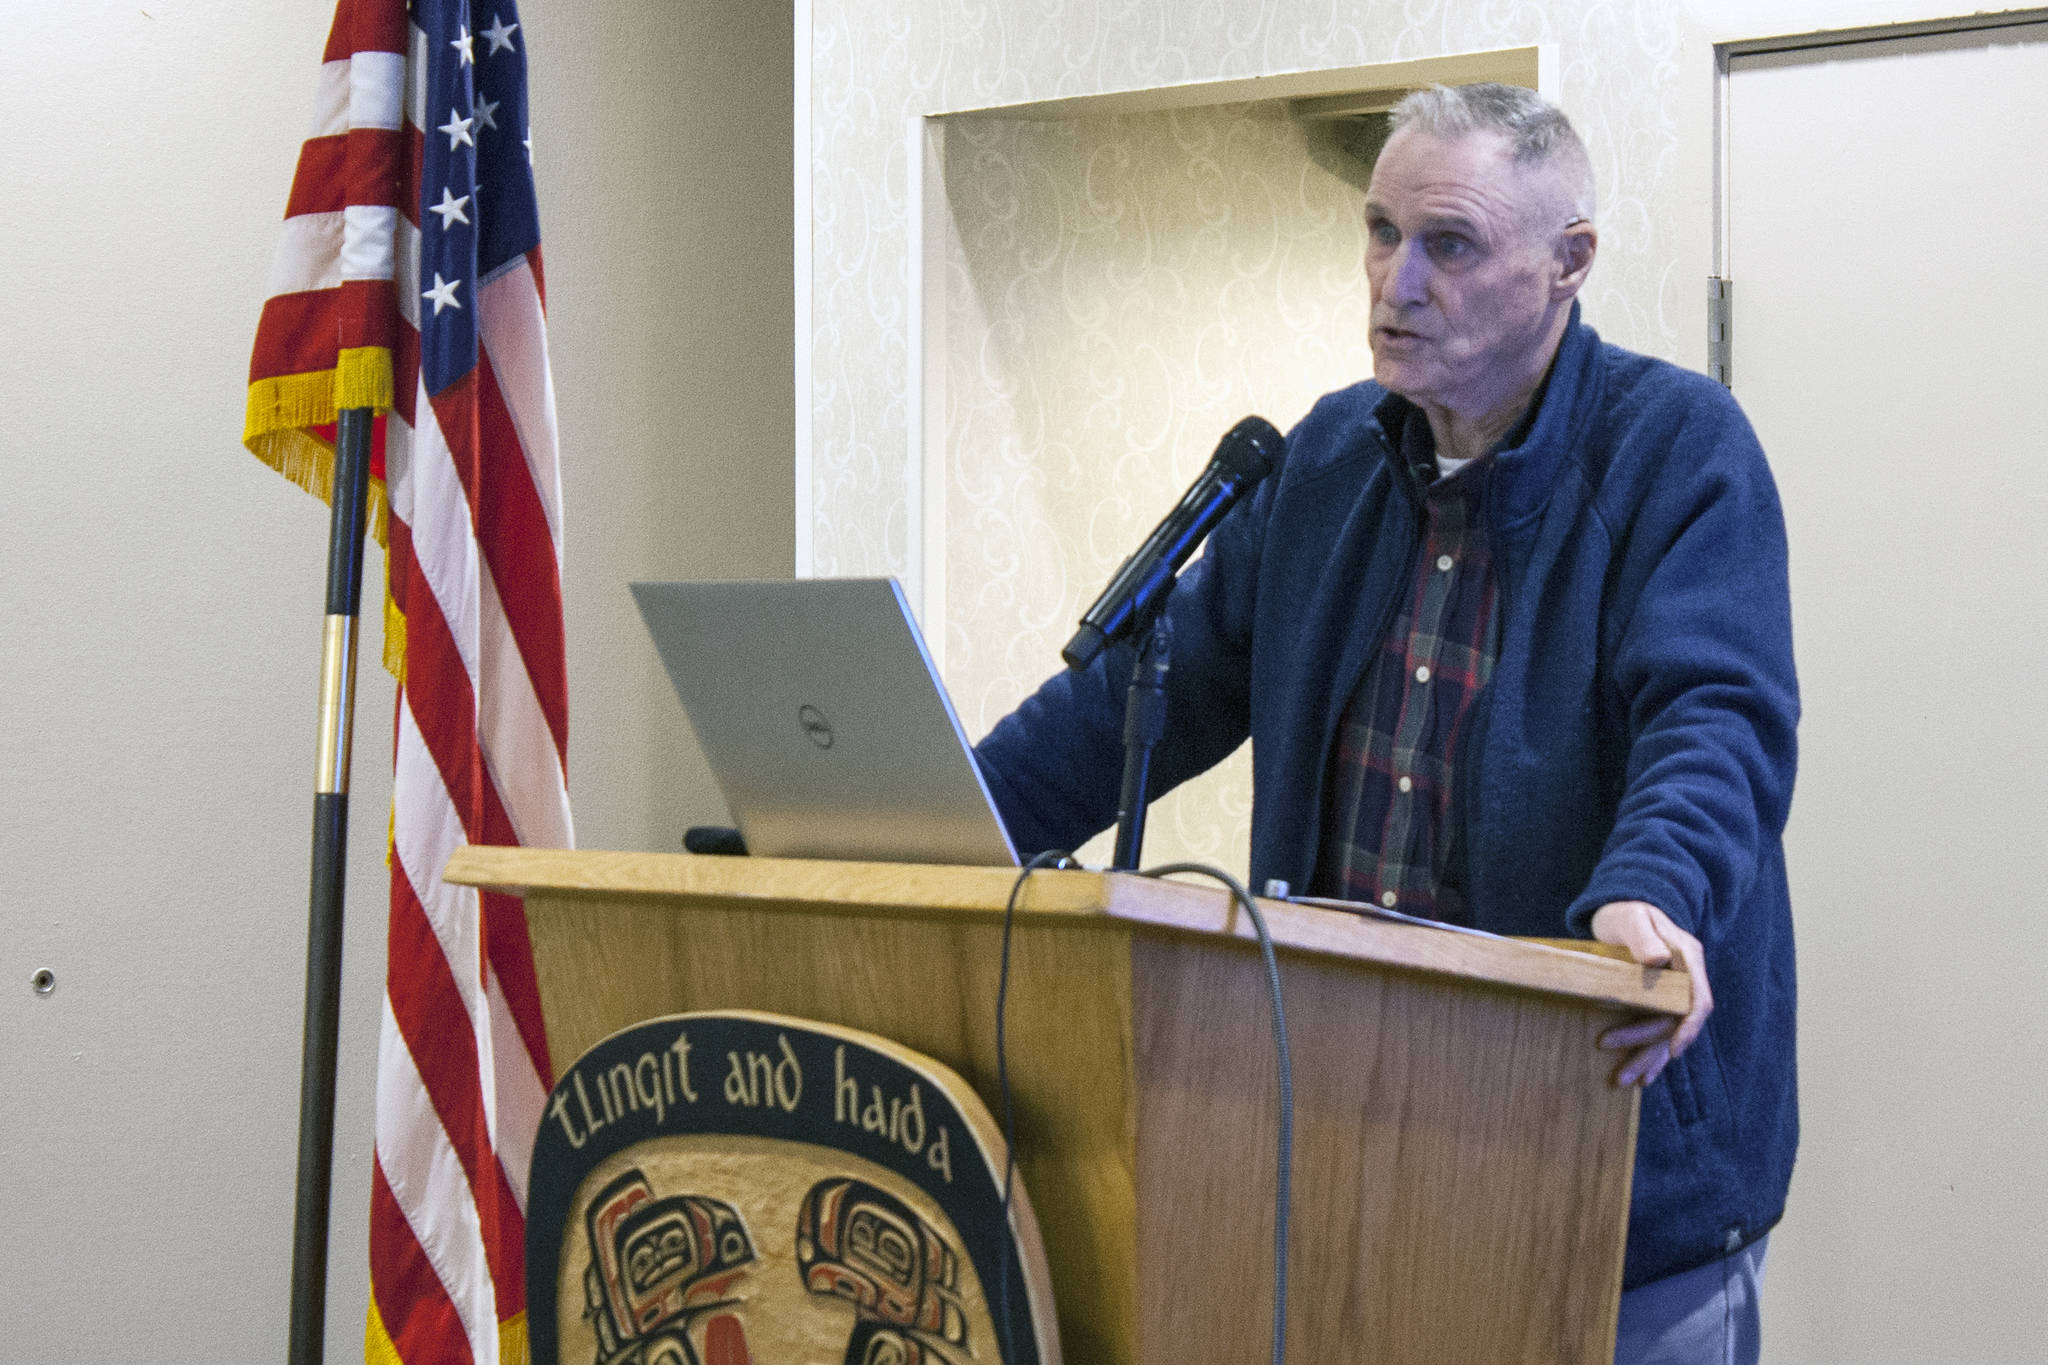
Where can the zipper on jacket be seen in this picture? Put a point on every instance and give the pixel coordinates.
(1341, 696)
(1465, 767)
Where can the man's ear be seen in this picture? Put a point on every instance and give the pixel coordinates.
(1576, 246)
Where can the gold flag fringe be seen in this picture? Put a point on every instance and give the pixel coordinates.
(361, 378)
(278, 431)
(394, 630)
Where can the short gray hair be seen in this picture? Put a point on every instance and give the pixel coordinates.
(1539, 136)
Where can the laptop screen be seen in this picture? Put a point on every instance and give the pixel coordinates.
(823, 720)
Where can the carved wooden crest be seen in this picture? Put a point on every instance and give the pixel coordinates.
(736, 1188)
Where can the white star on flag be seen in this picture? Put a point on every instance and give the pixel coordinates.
(500, 33)
(450, 209)
(486, 113)
(463, 45)
(443, 293)
(457, 128)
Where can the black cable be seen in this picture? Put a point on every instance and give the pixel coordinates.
(1038, 861)
(1283, 1179)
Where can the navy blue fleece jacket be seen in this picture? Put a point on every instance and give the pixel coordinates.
(1636, 741)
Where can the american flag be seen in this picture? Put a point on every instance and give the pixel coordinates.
(409, 280)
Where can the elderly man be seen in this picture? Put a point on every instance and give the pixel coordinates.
(1509, 632)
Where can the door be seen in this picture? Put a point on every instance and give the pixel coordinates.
(1887, 243)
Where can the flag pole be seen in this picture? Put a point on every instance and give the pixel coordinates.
(330, 866)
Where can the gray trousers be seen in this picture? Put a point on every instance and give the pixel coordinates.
(1706, 1316)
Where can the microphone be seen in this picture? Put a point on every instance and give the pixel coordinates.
(1245, 455)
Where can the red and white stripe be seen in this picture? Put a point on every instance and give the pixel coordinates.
(475, 495)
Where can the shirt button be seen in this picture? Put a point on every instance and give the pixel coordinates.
(1387, 899)
(1422, 673)
(1444, 562)
(1406, 784)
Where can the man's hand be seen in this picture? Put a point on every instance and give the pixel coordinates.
(1652, 939)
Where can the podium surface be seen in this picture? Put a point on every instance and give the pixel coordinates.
(1462, 1158)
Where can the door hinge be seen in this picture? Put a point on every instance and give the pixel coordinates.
(1720, 339)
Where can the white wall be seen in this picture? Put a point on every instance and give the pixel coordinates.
(160, 614)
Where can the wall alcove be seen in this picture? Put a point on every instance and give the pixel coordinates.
(1104, 285)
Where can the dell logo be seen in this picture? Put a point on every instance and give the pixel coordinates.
(816, 727)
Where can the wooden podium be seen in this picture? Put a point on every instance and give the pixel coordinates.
(1462, 1159)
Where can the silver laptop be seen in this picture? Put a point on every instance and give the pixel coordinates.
(824, 721)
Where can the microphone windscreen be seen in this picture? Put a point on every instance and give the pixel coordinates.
(1251, 448)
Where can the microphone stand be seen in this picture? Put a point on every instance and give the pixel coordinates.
(1144, 723)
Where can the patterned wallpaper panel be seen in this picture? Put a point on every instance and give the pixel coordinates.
(1119, 292)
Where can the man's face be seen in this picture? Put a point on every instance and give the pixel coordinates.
(1467, 279)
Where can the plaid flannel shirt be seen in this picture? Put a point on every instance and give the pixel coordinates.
(1389, 838)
